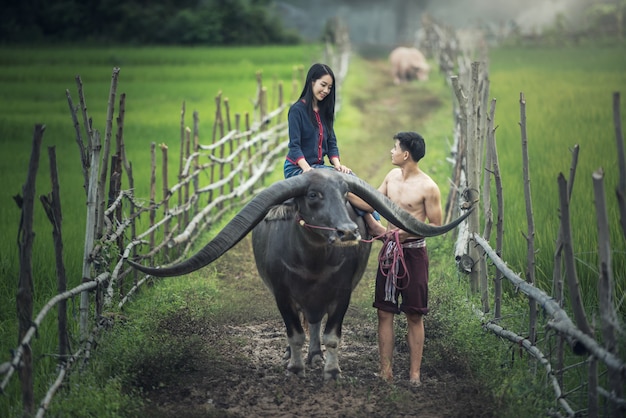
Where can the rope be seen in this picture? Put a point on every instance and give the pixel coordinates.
(391, 257)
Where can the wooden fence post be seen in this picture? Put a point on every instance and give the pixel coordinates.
(530, 236)
(608, 317)
(90, 232)
(152, 191)
(621, 161)
(101, 202)
(557, 279)
(52, 206)
(166, 192)
(181, 158)
(575, 297)
(24, 296)
(493, 167)
(196, 160)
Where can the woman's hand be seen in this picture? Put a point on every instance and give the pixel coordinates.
(342, 168)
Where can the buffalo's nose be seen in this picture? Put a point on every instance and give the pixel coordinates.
(349, 233)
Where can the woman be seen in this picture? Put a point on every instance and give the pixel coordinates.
(311, 119)
(311, 133)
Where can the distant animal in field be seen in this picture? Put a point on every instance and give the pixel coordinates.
(308, 247)
(408, 64)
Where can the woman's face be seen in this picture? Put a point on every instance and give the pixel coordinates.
(322, 87)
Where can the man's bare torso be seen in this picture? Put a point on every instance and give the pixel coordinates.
(415, 192)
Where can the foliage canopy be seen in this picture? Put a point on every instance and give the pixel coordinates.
(169, 22)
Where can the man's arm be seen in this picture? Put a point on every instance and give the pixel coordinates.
(432, 206)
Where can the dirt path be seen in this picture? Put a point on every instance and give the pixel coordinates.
(241, 372)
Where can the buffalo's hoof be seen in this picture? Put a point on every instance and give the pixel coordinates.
(298, 371)
(315, 359)
(333, 374)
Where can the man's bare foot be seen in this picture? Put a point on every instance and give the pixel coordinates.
(387, 377)
(415, 383)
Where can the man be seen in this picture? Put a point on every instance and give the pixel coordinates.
(402, 276)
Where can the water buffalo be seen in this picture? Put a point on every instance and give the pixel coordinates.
(408, 64)
(309, 252)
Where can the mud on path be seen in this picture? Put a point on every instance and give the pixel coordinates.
(239, 369)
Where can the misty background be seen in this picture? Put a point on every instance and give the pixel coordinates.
(395, 22)
(380, 23)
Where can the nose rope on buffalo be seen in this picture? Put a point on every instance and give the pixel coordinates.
(389, 260)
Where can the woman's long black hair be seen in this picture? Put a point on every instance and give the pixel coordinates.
(326, 106)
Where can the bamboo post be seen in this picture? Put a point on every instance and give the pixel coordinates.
(152, 191)
(263, 110)
(621, 161)
(473, 178)
(129, 173)
(86, 119)
(186, 175)
(90, 231)
(196, 161)
(181, 158)
(281, 100)
(249, 136)
(219, 120)
(574, 291)
(530, 237)
(557, 286)
(24, 296)
(84, 158)
(461, 152)
(493, 167)
(52, 206)
(166, 194)
(105, 153)
(218, 116)
(231, 166)
(608, 317)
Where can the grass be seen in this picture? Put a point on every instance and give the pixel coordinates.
(156, 81)
(568, 95)
(568, 102)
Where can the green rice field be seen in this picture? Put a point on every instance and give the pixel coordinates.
(569, 101)
(568, 96)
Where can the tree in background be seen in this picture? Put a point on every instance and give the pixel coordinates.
(176, 22)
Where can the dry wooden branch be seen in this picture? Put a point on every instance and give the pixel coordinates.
(52, 203)
(530, 236)
(24, 296)
(84, 157)
(608, 315)
(45, 402)
(105, 152)
(90, 231)
(531, 349)
(570, 265)
(621, 161)
(32, 330)
(581, 343)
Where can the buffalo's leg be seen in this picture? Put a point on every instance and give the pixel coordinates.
(315, 355)
(295, 336)
(332, 339)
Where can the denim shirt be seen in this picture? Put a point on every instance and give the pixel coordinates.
(305, 140)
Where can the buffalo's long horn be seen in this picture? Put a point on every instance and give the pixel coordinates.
(236, 229)
(393, 213)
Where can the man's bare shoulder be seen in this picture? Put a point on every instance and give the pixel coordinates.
(427, 180)
(394, 174)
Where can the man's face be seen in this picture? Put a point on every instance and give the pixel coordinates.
(398, 156)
